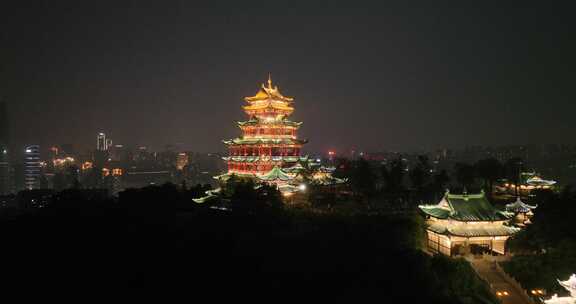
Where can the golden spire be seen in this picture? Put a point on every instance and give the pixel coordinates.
(267, 92)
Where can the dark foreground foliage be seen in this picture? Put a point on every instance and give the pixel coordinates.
(546, 250)
(105, 247)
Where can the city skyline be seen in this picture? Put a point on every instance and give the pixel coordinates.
(398, 152)
(374, 78)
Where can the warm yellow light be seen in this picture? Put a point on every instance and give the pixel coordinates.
(58, 162)
(87, 165)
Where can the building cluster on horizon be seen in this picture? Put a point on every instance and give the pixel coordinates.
(110, 167)
(269, 150)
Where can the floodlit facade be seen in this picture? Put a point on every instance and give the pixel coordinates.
(462, 222)
(269, 139)
(528, 181)
(269, 150)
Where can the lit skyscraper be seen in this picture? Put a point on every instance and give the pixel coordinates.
(101, 143)
(32, 167)
(4, 157)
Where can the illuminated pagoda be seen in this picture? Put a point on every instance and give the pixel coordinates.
(570, 286)
(269, 149)
(460, 222)
(269, 141)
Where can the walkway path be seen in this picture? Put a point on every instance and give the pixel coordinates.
(489, 273)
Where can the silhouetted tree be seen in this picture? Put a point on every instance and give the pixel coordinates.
(59, 181)
(465, 174)
(362, 179)
(441, 180)
(395, 176)
(514, 166)
(420, 174)
(93, 178)
(490, 170)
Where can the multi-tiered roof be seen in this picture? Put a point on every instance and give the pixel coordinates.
(455, 211)
(269, 142)
(520, 207)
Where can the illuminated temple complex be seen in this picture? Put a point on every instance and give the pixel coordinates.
(528, 181)
(461, 222)
(269, 148)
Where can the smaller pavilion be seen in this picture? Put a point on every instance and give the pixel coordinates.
(522, 211)
(460, 223)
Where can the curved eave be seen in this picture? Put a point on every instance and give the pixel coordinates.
(520, 207)
(464, 231)
(282, 123)
(286, 159)
(268, 141)
(275, 174)
(268, 106)
(204, 199)
(496, 218)
(267, 94)
(435, 212)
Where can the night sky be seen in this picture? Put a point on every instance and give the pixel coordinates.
(384, 77)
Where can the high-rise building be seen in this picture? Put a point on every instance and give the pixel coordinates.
(5, 186)
(32, 167)
(103, 143)
(118, 153)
